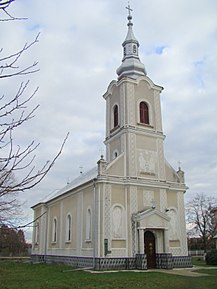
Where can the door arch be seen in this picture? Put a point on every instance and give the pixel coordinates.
(149, 249)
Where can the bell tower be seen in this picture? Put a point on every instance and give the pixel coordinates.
(134, 136)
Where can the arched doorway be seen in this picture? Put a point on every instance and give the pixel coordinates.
(149, 243)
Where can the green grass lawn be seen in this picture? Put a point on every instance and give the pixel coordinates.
(18, 275)
(199, 261)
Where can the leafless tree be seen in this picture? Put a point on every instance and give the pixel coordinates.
(199, 212)
(18, 171)
(4, 6)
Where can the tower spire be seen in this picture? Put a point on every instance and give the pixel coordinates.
(131, 65)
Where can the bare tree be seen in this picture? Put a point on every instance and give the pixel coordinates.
(199, 213)
(4, 6)
(18, 171)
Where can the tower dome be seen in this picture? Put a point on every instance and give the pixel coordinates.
(131, 65)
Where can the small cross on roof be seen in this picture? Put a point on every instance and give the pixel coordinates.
(129, 9)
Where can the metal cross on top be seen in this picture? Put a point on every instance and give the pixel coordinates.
(128, 8)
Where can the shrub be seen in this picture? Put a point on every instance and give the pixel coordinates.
(211, 258)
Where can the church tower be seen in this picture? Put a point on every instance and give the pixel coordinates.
(141, 184)
(133, 123)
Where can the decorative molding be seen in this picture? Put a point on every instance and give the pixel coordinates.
(131, 104)
(182, 224)
(146, 162)
(132, 156)
(161, 161)
(107, 212)
(163, 200)
(133, 209)
(148, 197)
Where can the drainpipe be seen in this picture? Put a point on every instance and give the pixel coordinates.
(94, 223)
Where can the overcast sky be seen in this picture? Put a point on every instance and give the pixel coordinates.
(78, 53)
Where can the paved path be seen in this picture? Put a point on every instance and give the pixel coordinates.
(188, 272)
(185, 272)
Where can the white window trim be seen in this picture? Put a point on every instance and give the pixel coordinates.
(54, 230)
(149, 112)
(88, 233)
(68, 228)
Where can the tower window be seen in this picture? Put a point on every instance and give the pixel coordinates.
(134, 48)
(115, 115)
(144, 114)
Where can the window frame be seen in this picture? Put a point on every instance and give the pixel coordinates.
(144, 114)
(54, 230)
(68, 227)
(115, 116)
(88, 233)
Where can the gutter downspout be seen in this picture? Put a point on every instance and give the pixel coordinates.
(94, 223)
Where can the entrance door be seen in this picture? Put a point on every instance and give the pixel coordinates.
(149, 243)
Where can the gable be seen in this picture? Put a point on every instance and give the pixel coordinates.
(116, 167)
(151, 218)
(171, 174)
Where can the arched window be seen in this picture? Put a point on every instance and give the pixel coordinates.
(54, 235)
(118, 222)
(68, 227)
(115, 115)
(144, 114)
(88, 225)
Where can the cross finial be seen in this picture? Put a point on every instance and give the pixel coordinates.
(128, 8)
(179, 163)
(81, 169)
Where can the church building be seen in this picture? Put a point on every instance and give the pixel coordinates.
(127, 212)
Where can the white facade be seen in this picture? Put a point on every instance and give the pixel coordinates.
(132, 203)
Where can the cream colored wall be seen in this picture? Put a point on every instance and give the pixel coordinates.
(76, 205)
(140, 199)
(116, 167)
(157, 199)
(172, 199)
(118, 195)
(88, 198)
(171, 174)
(69, 206)
(54, 212)
(115, 145)
(115, 96)
(119, 198)
(36, 245)
(146, 142)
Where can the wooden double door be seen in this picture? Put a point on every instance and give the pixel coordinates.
(150, 250)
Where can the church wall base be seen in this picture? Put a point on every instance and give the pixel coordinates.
(141, 262)
(168, 261)
(79, 262)
(115, 264)
(163, 261)
(182, 262)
